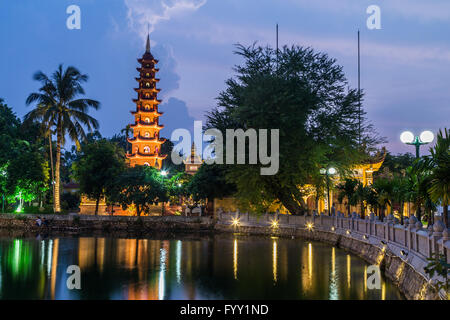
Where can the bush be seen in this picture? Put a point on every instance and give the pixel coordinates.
(70, 200)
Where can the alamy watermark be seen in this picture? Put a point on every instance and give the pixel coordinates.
(374, 20)
(235, 152)
(74, 20)
(373, 277)
(74, 280)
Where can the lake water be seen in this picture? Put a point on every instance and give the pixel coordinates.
(183, 267)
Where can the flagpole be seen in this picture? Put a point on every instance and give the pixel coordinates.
(359, 89)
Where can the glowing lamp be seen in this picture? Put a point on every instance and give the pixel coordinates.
(274, 224)
(407, 137)
(427, 136)
(164, 173)
(331, 170)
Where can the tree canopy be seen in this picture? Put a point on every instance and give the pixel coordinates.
(306, 96)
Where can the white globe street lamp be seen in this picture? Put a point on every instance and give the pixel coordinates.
(425, 137)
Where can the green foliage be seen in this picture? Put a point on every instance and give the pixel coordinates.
(70, 200)
(437, 264)
(24, 171)
(383, 192)
(141, 187)
(210, 182)
(98, 165)
(437, 168)
(347, 190)
(395, 165)
(306, 96)
(60, 111)
(167, 163)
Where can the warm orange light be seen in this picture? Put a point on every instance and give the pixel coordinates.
(235, 222)
(274, 224)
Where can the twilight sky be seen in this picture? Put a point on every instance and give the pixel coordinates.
(405, 65)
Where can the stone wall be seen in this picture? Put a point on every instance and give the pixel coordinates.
(400, 250)
(84, 223)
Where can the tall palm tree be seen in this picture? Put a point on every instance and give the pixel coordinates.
(362, 193)
(383, 189)
(59, 108)
(417, 182)
(347, 190)
(437, 165)
(399, 193)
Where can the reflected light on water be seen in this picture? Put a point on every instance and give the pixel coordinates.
(162, 273)
(333, 281)
(179, 244)
(310, 261)
(348, 270)
(54, 266)
(235, 258)
(173, 269)
(275, 260)
(365, 279)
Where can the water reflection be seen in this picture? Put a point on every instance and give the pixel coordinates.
(235, 258)
(183, 269)
(333, 277)
(274, 260)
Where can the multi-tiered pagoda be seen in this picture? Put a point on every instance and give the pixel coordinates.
(146, 144)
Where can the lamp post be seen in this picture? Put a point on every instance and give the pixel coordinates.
(407, 137)
(327, 172)
(164, 174)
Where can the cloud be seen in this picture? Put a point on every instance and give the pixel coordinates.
(223, 34)
(169, 78)
(142, 13)
(175, 116)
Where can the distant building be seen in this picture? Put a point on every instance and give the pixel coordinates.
(71, 187)
(193, 161)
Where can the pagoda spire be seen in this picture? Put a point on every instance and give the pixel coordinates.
(147, 46)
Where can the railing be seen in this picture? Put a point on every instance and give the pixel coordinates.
(401, 239)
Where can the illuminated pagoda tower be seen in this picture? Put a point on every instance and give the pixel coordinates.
(146, 144)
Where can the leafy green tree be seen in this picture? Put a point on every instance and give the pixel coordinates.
(141, 187)
(399, 193)
(97, 167)
(437, 264)
(383, 190)
(362, 195)
(417, 187)
(347, 190)
(306, 96)
(23, 169)
(210, 182)
(167, 164)
(395, 165)
(61, 112)
(27, 176)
